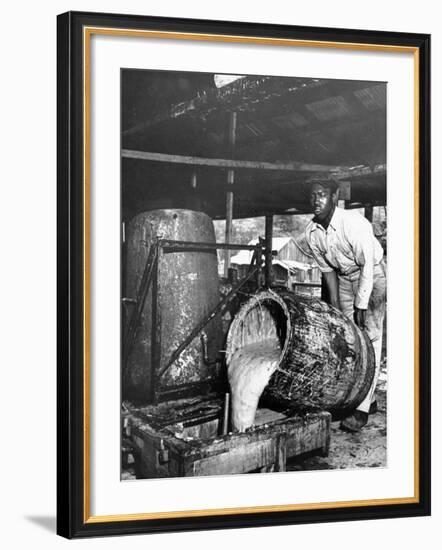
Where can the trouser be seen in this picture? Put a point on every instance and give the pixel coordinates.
(374, 321)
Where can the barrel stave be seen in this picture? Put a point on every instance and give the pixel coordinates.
(327, 362)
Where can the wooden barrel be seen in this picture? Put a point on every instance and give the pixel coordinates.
(187, 289)
(326, 361)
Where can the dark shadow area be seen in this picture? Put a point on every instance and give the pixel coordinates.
(49, 523)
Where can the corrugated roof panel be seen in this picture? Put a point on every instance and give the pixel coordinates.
(373, 98)
(290, 120)
(297, 119)
(253, 128)
(329, 109)
(282, 122)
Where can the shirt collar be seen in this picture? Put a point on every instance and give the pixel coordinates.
(333, 222)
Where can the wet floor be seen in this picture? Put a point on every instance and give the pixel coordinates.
(365, 449)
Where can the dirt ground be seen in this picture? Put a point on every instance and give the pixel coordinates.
(365, 449)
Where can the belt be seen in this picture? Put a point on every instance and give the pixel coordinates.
(357, 270)
(348, 273)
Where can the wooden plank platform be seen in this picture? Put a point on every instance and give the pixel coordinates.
(182, 438)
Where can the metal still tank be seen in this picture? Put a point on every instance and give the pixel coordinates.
(187, 290)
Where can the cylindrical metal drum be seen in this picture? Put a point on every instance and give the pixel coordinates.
(184, 291)
(326, 361)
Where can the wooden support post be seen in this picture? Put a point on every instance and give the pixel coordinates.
(268, 251)
(281, 453)
(193, 180)
(368, 212)
(228, 235)
(229, 194)
(258, 261)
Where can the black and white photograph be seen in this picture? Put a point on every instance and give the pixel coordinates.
(253, 269)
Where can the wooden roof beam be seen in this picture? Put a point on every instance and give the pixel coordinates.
(291, 166)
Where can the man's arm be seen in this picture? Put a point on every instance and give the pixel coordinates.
(331, 280)
(362, 241)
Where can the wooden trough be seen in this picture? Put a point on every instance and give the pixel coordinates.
(183, 438)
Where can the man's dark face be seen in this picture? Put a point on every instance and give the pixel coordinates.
(322, 201)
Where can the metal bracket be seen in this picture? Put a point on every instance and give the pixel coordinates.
(255, 266)
(143, 290)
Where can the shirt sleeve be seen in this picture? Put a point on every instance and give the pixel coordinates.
(317, 254)
(360, 236)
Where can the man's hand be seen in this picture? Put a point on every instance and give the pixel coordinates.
(359, 317)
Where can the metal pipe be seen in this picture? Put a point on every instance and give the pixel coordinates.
(146, 279)
(225, 427)
(206, 359)
(155, 350)
(219, 307)
(183, 246)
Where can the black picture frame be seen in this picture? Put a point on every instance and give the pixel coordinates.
(73, 519)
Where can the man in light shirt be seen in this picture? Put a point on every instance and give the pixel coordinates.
(351, 261)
